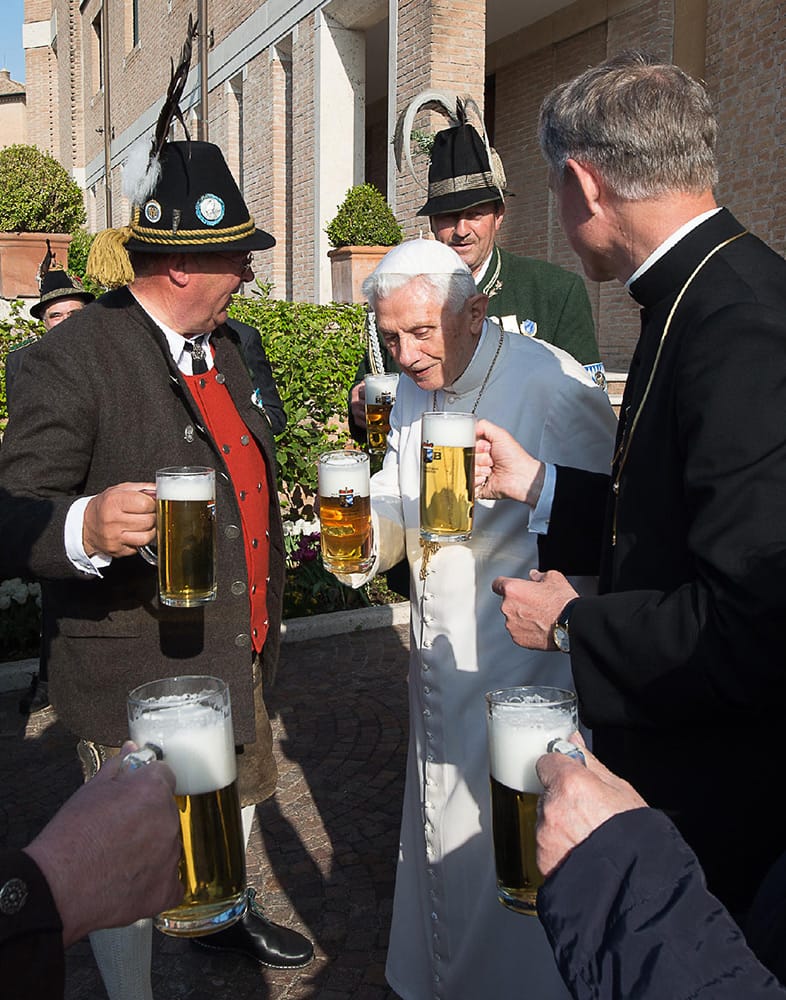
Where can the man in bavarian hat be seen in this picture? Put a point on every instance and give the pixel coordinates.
(152, 376)
(466, 208)
(61, 296)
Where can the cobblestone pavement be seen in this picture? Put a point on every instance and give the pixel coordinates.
(322, 851)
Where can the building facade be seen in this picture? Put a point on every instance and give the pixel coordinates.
(13, 122)
(303, 96)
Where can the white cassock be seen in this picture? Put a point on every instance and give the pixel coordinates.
(450, 937)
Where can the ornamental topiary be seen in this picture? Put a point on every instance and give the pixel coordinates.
(37, 194)
(364, 219)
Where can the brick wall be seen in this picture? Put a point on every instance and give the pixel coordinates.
(303, 208)
(746, 42)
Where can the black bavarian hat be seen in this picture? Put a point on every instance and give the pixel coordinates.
(460, 174)
(194, 207)
(57, 284)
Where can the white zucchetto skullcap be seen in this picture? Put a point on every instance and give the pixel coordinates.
(421, 256)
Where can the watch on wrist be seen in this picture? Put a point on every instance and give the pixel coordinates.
(560, 629)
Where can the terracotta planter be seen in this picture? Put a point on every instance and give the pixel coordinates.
(349, 267)
(20, 256)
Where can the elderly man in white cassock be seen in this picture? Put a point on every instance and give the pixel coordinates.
(450, 937)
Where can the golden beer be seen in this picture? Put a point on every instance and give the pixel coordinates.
(212, 867)
(521, 723)
(186, 532)
(345, 512)
(447, 476)
(189, 720)
(380, 397)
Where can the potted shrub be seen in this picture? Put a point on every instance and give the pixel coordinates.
(361, 233)
(38, 200)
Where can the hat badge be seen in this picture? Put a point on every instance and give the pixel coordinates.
(210, 209)
(153, 211)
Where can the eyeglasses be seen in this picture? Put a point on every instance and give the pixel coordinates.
(241, 266)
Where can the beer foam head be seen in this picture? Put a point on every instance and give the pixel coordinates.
(196, 739)
(454, 430)
(519, 733)
(185, 486)
(421, 256)
(343, 470)
(378, 385)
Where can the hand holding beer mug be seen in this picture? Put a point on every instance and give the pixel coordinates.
(380, 397)
(447, 476)
(188, 721)
(522, 722)
(186, 532)
(345, 511)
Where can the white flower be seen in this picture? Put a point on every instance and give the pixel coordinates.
(301, 527)
(5, 602)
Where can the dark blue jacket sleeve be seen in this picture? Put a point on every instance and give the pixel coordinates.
(261, 373)
(628, 916)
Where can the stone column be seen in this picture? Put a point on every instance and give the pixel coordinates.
(339, 147)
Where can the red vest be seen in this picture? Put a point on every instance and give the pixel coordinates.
(246, 465)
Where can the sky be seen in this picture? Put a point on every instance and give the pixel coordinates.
(12, 55)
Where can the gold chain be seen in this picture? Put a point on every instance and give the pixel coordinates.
(621, 455)
(485, 381)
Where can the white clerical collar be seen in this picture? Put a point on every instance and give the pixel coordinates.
(668, 243)
(475, 371)
(482, 272)
(176, 343)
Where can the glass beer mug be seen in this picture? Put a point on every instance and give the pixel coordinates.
(345, 511)
(447, 476)
(188, 722)
(522, 722)
(186, 536)
(380, 397)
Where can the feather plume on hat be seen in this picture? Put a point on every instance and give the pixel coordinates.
(142, 169)
(44, 266)
(108, 262)
(456, 110)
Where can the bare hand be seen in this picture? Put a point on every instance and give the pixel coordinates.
(357, 404)
(531, 606)
(110, 855)
(503, 469)
(119, 520)
(576, 801)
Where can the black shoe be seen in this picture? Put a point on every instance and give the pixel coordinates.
(36, 698)
(258, 938)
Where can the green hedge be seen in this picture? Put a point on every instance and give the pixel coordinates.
(314, 353)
